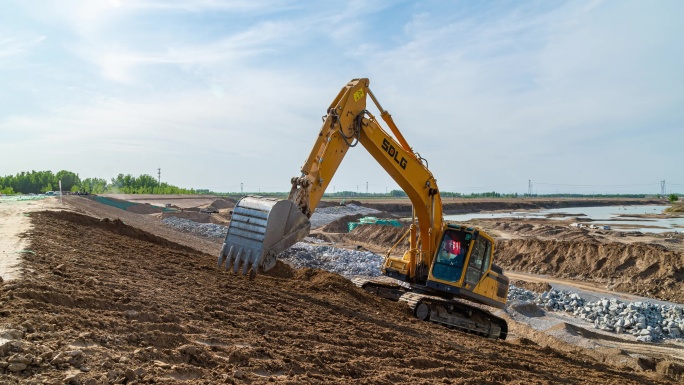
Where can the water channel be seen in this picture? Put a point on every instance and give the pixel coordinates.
(621, 218)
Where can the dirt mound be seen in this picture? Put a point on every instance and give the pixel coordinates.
(145, 209)
(223, 203)
(116, 226)
(573, 330)
(97, 306)
(676, 208)
(379, 235)
(340, 225)
(638, 268)
(528, 309)
(281, 270)
(190, 215)
(537, 287)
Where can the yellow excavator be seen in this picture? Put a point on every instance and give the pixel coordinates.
(447, 267)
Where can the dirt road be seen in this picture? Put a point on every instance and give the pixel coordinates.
(14, 220)
(104, 302)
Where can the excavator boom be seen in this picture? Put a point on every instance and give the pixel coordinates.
(258, 231)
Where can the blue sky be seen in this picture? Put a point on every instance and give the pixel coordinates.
(576, 96)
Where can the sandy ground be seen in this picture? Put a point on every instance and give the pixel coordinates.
(14, 220)
(129, 300)
(104, 302)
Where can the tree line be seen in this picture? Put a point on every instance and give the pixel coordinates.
(38, 182)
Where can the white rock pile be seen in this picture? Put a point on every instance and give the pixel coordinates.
(648, 322)
(208, 230)
(341, 261)
(324, 215)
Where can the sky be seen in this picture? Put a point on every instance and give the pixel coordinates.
(578, 97)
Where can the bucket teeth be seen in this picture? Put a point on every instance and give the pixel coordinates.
(236, 264)
(245, 263)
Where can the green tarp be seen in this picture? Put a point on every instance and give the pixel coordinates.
(373, 221)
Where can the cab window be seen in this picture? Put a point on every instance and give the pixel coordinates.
(451, 255)
(479, 260)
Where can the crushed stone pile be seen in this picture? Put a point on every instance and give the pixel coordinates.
(648, 322)
(341, 261)
(324, 215)
(207, 230)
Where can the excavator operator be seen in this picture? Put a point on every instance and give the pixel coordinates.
(451, 258)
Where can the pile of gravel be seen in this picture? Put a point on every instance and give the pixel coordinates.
(646, 321)
(208, 230)
(341, 261)
(324, 215)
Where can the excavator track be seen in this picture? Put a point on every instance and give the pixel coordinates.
(451, 313)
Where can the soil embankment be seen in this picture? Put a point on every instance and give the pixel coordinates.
(106, 303)
(644, 269)
(461, 206)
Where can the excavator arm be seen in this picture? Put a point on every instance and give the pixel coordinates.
(262, 227)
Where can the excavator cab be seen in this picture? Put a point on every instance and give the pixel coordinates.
(463, 267)
(451, 255)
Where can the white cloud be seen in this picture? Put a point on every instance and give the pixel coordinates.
(246, 82)
(11, 47)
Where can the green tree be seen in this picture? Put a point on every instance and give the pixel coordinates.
(68, 178)
(673, 198)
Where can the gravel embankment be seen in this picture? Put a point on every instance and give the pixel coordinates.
(648, 322)
(207, 230)
(341, 261)
(321, 217)
(324, 215)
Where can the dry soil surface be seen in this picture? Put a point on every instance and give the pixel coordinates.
(105, 302)
(14, 220)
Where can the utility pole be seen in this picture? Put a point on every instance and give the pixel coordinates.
(159, 175)
(662, 187)
(529, 187)
(241, 190)
(366, 188)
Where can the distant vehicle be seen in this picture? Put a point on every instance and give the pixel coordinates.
(50, 193)
(593, 227)
(606, 227)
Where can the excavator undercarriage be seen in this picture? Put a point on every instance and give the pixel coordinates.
(448, 312)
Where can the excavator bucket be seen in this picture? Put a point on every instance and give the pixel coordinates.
(259, 230)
